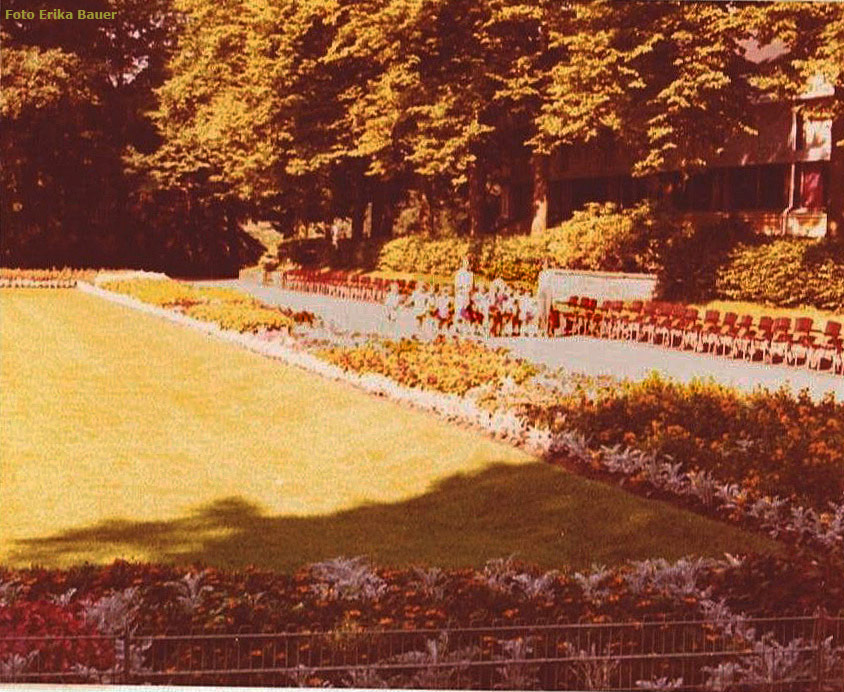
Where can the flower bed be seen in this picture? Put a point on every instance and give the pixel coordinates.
(159, 292)
(342, 597)
(44, 278)
(771, 443)
(227, 307)
(445, 365)
(240, 317)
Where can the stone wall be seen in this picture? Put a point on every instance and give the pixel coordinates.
(560, 284)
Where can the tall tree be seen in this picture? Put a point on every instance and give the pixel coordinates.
(74, 95)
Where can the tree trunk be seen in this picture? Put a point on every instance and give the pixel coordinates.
(378, 210)
(427, 208)
(382, 210)
(539, 163)
(476, 200)
(359, 212)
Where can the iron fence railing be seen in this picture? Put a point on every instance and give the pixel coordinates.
(791, 654)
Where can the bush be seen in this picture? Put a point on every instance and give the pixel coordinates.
(786, 273)
(516, 259)
(415, 254)
(600, 237)
(696, 259)
(306, 252)
(693, 255)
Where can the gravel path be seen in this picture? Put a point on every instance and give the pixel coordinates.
(581, 354)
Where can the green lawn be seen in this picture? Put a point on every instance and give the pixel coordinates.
(126, 436)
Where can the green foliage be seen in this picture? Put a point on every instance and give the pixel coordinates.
(693, 255)
(785, 273)
(307, 252)
(310, 109)
(724, 261)
(696, 260)
(75, 95)
(149, 140)
(600, 237)
(418, 255)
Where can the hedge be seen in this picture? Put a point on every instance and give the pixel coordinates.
(599, 237)
(786, 273)
(696, 259)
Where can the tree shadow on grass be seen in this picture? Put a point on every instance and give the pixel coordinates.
(540, 513)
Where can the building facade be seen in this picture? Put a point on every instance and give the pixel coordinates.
(786, 180)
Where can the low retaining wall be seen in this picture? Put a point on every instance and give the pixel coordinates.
(559, 284)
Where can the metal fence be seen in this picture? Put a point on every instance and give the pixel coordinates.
(788, 654)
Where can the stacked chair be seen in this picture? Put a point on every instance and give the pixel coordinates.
(340, 284)
(770, 340)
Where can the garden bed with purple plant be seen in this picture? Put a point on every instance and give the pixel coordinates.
(395, 619)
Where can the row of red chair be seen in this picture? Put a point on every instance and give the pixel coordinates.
(772, 340)
(340, 284)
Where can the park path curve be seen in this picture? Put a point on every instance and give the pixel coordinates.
(580, 354)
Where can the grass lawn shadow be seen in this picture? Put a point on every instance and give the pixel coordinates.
(542, 514)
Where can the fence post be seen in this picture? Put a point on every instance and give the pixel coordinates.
(820, 635)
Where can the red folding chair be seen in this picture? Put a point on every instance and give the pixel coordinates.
(643, 321)
(779, 344)
(629, 313)
(567, 318)
(688, 320)
(699, 336)
(732, 330)
(801, 342)
(756, 339)
(827, 347)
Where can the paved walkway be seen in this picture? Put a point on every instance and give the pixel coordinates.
(581, 354)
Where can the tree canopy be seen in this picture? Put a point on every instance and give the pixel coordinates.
(219, 110)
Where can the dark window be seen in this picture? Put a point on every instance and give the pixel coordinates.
(773, 187)
(800, 133)
(761, 188)
(559, 202)
(585, 190)
(522, 202)
(632, 191)
(743, 182)
(698, 193)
